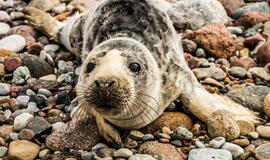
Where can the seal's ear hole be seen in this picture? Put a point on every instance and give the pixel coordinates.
(90, 67)
(134, 67)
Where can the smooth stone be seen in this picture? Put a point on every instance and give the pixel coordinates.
(189, 46)
(58, 125)
(26, 134)
(141, 157)
(14, 136)
(98, 146)
(182, 133)
(22, 120)
(45, 92)
(7, 113)
(50, 77)
(14, 43)
(215, 73)
(186, 14)
(241, 142)
(177, 143)
(148, 137)
(264, 131)
(209, 154)
(238, 72)
(6, 130)
(65, 78)
(200, 53)
(123, 153)
(39, 125)
(136, 135)
(4, 16)
(235, 30)
(4, 28)
(12, 63)
(233, 148)
(4, 89)
(259, 72)
(23, 100)
(199, 144)
(263, 151)
(51, 47)
(43, 153)
(33, 107)
(259, 7)
(23, 150)
(87, 156)
(3, 151)
(217, 142)
(21, 73)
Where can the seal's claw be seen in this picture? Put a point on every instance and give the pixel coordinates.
(42, 21)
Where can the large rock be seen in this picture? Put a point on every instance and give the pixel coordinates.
(252, 18)
(23, 150)
(78, 134)
(231, 6)
(36, 66)
(160, 151)
(209, 154)
(257, 7)
(187, 14)
(173, 120)
(215, 39)
(249, 96)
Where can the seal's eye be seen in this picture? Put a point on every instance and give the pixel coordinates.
(134, 67)
(90, 67)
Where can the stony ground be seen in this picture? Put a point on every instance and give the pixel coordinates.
(226, 45)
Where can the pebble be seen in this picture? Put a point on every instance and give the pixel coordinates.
(7, 113)
(14, 43)
(241, 142)
(141, 157)
(50, 77)
(189, 45)
(253, 135)
(258, 7)
(148, 137)
(4, 16)
(45, 92)
(51, 48)
(39, 125)
(3, 151)
(87, 156)
(259, 72)
(23, 100)
(233, 148)
(99, 146)
(200, 53)
(43, 153)
(33, 107)
(235, 30)
(217, 142)
(20, 75)
(123, 153)
(199, 144)
(209, 154)
(263, 151)
(238, 72)
(22, 120)
(182, 133)
(264, 131)
(12, 63)
(26, 134)
(4, 28)
(212, 72)
(4, 89)
(65, 78)
(14, 136)
(23, 150)
(58, 125)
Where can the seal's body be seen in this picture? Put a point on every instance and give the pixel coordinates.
(133, 66)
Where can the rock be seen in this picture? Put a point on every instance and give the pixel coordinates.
(252, 18)
(87, 156)
(51, 48)
(253, 40)
(199, 144)
(217, 142)
(39, 126)
(43, 153)
(2, 70)
(221, 124)
(212, 72)
(98, 146)
(136, 135)
(5, 130)
(36, 66)
(4, 28)
(266, 27)
(238, 72)
(24, 30)
(231, 6)
(3, 151)
(263, 54)
(259, 72)
(209, 154)
(233, 148)
(44, 5)
(14, 43)
(26, 134)
(172, 120)
(264, 131)
(266, 105)
(123, 153)
(22, 120)
(249, 96)
(263, 151)
(215, 39)
(244, 62)
(23, 150)
(58, 125)
(241, 142)
(50, 77)
(4, 89)
(4, 53)
(182, 133)
(235, 30)
(148, 137)
(70, 136)
(195, 14)
(257, 7)
(21, 73)
(189, 46)
(4, 16)
(161, 151)
(141, 157)
(22, 100)
(200, 53)
(33, 107)
(253, 135)
(12, 63)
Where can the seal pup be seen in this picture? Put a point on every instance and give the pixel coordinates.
(133, 66)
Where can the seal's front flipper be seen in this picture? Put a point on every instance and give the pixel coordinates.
(107, 131)
(42, 21)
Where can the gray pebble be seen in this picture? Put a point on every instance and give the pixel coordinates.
(30, 92)
(87, 156)
(33, 107)
(189, 46)
(238, 72)
(58, 125)
(65, 78)
(43, 55)
(200, 53)
(123, 153)
(7, 113)
(209, 154)
(21, 73)
(177, 143)
(3, 151)
(14, 136)
(235, 30)
(99, 146)
(148, 137)
(182, 133)
(4, 89)
(45, 92)
(217, 142)
(23, 100)
(51, 47)
(4, 16)
(233, 148)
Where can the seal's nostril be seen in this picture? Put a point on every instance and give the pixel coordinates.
(104, 83)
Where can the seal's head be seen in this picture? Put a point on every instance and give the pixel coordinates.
(120, 80)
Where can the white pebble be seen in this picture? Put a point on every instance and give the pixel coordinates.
(4, 89)
(233, 148)
(4, 28)
(14, 43)
(22, 120)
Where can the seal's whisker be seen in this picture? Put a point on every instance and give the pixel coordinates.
(149, 106)
(148, 112)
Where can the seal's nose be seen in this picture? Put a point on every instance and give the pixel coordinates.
(104, 83)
